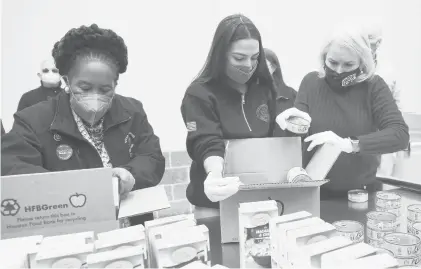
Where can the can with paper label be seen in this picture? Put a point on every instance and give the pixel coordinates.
(297, 174)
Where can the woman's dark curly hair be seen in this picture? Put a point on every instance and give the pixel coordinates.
(93, 42)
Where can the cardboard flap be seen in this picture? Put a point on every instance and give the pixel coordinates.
(283, 185)
(143, 201)
(265, 159)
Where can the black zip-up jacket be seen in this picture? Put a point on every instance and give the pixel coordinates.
(214, 112)
(38, 95)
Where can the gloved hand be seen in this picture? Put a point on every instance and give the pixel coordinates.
(219, 188)
(344, 144)
(125, 179)
(290, 112)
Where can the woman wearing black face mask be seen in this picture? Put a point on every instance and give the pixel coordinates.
(233, 97)
(353, 109)
(88, 125)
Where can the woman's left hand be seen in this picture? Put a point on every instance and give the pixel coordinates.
(125, 179)
(329, 137)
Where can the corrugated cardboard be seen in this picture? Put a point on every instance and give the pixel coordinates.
(262, 160)
(262, 164)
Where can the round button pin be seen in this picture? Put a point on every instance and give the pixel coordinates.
(64, 152)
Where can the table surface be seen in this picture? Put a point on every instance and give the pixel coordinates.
(330, 211)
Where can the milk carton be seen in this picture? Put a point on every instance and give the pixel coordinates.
(298, 238)
(311, 254)
(181, 249)
(64, 256)
(284, 229)
(127, 257)
(152, 224)
(337, 258)
(254, 236)
(273, 229)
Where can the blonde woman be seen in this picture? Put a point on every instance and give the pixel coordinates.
(374, 34)
(352, 108)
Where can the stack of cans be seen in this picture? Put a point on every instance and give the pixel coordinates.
(353, 230)
(379, 224)
(414, 216)
(416, 229)
(388, 202)
(406, 248)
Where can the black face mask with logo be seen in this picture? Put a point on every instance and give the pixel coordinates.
(339, 82)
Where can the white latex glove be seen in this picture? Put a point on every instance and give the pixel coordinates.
(219, 188)
(331, 138)
(125, 179)
(290, 112)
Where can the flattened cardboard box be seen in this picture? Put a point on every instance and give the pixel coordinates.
(262, 164)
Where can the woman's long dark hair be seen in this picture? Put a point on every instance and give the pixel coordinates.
(277, 74)
(230, 29)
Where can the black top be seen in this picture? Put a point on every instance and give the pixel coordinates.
(214, 112)
(37, 95)
(41, 132)
(367, 111)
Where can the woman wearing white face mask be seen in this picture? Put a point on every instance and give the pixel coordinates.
(233, 97)
(88, 125)
(50, 86)
(353, 109)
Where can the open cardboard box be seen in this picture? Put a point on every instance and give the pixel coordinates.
(57, 203)
(262, 165)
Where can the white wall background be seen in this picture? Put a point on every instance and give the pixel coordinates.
(168, 42)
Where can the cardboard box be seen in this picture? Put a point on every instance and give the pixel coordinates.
(311, 254)
(130, 257)
(178, 251)
(64, 256)
(273, 229)
(322, 161)
(254, 234)
(196, 265)
(262, 164)
(132, 231)
(337, 258)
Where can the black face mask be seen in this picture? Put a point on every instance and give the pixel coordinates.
(340, 81)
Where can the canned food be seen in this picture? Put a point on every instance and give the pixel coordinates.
(414, 212)
(350, 229)
(409, 224)
(297, 174)
(375, 243)
(402, 244)
(395, 211)
(358, 206)
(408, 261)
(297, 125)
(388, 199)
(416, 229)
(358, 196)
(383, 221)
(377, 234)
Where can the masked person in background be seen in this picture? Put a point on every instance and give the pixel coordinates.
(285, 95)
(374, 33)
(353, 109)
(88, 125)
(50, 86)
(233, 97)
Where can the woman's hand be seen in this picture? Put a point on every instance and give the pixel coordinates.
(291, 112)
(125, 179)
(219, 188)
(331, 138)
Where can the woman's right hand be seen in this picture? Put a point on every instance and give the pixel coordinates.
(291, 112)
(218, 188)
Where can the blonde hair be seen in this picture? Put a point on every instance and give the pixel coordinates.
(356, 40)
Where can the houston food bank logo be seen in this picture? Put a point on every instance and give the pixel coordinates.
(11, 207)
